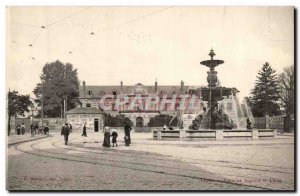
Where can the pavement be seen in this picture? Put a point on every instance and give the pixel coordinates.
(16, 139)
(147, 164)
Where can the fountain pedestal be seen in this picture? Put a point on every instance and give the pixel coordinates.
(215, 118)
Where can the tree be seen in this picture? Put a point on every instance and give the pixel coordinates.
(17, 105)
(264, 99)
(287, 82)
(58, 82)
(161, 120)
(287, 95)
(117, 121)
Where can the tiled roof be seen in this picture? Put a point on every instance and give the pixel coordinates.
(98, 91)
(84, 110)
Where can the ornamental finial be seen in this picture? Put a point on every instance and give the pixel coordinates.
(212, 54)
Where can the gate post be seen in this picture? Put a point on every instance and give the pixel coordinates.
(255, 134)
(158, 133)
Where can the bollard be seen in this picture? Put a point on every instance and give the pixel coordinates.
(255, 134)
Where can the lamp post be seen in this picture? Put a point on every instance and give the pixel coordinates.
(42, 106)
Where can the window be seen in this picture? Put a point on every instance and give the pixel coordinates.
(88, 105)
(89, 92)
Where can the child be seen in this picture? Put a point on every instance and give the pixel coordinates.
(114, 138)
(126, 138)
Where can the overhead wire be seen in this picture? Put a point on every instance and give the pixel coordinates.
(115, 26)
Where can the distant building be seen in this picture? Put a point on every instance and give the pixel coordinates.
(91, 96)
(93, 117)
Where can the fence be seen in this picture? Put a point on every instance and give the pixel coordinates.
(275, 122)
(53, 123)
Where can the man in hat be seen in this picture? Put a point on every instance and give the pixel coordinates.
(65, 131)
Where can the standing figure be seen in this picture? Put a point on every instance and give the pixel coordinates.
(71, 128)
(127, 129)
(46, 130)
(23, 129)
(249, 124)
(32, 129)
(36, 127)
(65, 131)
(106, 141)
(18, 129)
(84, 132)
(114, 138)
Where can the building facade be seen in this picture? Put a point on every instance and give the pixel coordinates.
(106, 99)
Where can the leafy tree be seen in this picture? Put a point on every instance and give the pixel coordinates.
(287, 95)
(58, 82)
(161, 120)
(17, 105)
(264, 99)
(117, 121)
(287, 89)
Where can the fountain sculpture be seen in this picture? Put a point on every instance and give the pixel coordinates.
(215, 117)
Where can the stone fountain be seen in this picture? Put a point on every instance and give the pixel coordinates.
(215, 116)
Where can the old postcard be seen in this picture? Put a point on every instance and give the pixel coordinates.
(150, 98)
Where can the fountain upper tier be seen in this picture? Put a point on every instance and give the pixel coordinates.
(212, 63)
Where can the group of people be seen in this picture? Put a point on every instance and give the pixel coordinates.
(114, 135)
(67, 129)
(34, 129)
(20, 129)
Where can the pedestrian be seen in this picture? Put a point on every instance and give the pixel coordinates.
(23, 129)
(71, 128)
(36, 127)
(127, 129)
(46, 130)
(32, 129)
(84, 132)
(106, 140)
(65, 131)
(18, 129)
(114, 138)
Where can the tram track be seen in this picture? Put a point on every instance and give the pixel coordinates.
(70, 157)
(190, 162)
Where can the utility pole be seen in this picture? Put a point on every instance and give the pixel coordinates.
(42, 106)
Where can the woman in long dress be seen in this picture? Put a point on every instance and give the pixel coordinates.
(84, 132)
(106, 141)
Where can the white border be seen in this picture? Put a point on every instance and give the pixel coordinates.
(5, 3)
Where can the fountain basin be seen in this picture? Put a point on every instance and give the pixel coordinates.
(213, 134)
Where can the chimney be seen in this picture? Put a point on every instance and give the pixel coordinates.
(83, 89)
(121, 86)
(181, 86)
(155, 87)
(83, 84)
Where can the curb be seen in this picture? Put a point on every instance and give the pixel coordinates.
(28, 140)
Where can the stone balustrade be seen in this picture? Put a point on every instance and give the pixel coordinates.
(179, 134)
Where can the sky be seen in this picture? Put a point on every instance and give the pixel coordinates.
(142, 44)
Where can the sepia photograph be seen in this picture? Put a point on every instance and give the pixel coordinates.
(150, 98)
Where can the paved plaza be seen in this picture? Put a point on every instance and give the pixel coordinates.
(47, 164)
